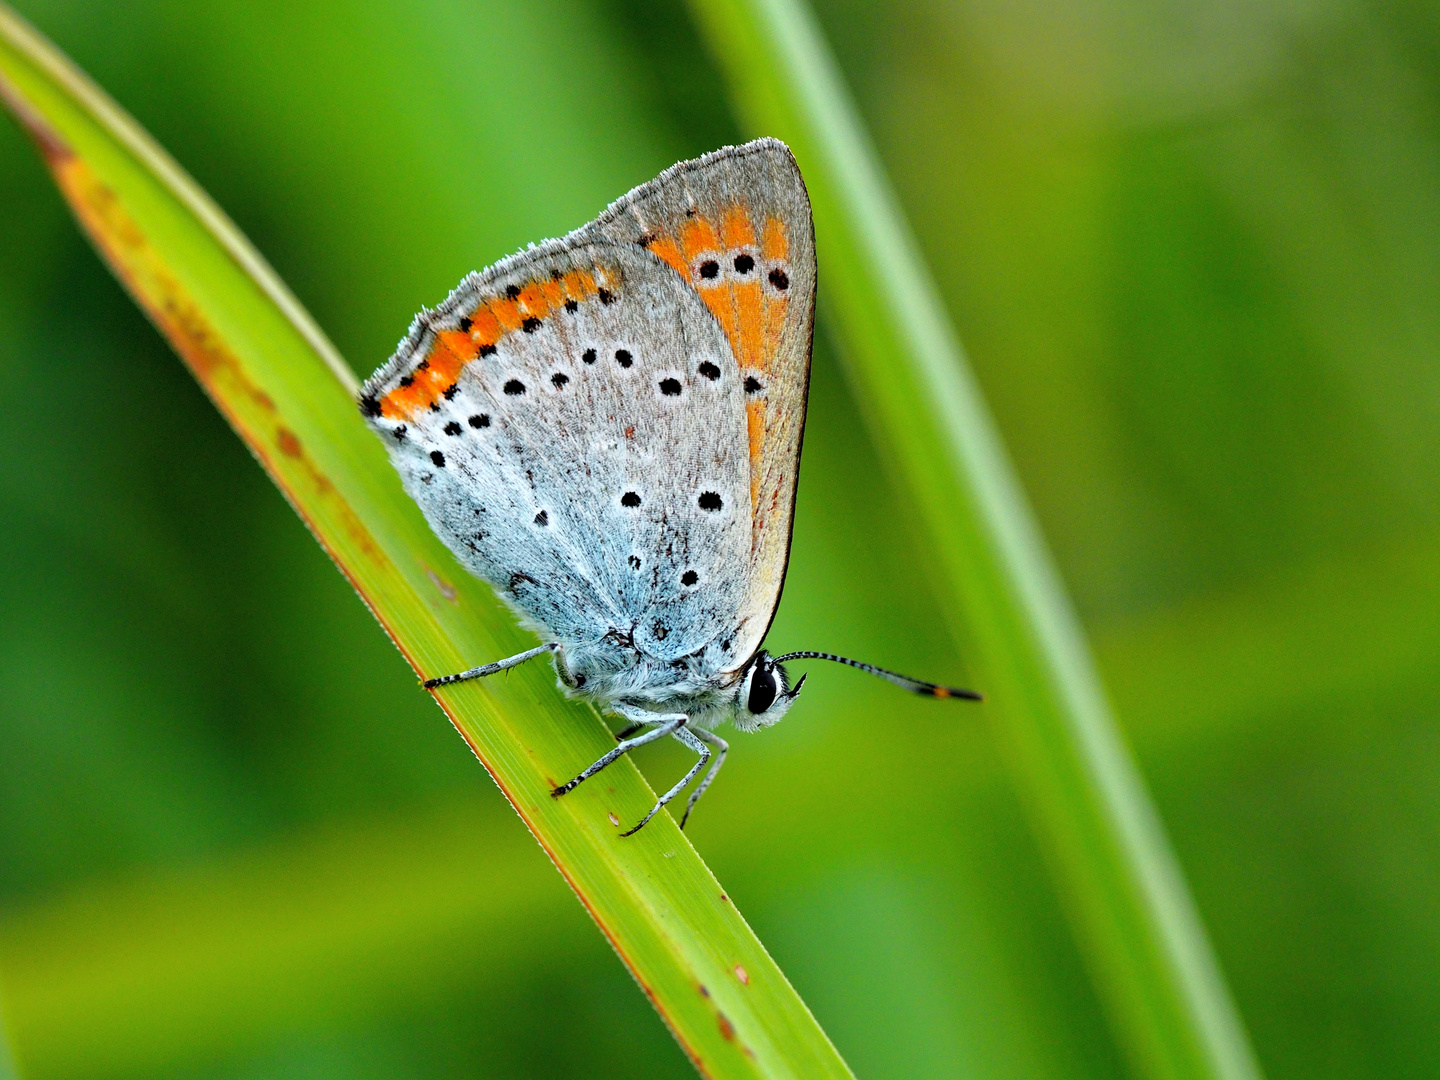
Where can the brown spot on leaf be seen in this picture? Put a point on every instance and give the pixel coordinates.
(289, 443)
(50, 142)
(250, 410)
(446, 589)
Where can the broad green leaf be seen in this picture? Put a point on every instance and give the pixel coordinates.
(1128, 901)
(289, 395)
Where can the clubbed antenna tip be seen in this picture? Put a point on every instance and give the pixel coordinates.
(915, 686)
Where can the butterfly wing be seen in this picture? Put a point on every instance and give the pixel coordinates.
(735, 225)
(572, 424)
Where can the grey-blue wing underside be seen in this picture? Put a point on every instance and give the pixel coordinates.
(593, 466)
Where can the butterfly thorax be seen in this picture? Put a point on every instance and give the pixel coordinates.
(753, 695)
(609, 671)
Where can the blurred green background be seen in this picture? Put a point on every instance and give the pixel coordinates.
(1194, 251)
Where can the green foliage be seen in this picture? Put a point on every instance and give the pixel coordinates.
(1131, 908)
(1190, 252)
(291, 399)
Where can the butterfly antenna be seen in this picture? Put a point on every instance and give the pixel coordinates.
(915, 686)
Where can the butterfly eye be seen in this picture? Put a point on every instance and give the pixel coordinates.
(763, 689)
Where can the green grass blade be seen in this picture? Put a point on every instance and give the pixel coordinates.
(1148, 953)
(7, 1062)
(288, 394)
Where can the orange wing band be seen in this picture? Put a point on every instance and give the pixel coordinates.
(435, 376)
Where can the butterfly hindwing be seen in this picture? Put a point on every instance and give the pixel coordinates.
(735, 225)
(572, 424)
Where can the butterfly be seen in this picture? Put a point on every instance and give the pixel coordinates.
(607, 428)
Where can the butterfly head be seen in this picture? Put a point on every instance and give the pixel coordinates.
(764, 693)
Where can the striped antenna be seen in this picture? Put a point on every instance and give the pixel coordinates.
(915, 686)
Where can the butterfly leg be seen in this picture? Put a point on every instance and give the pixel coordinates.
(490, 669)
(686, 736)
(666, 724)
(721, 749)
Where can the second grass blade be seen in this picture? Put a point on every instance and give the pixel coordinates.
(1136, 923)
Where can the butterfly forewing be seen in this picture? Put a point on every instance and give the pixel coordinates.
(552, 422)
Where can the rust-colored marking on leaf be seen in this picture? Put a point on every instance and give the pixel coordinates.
(446, 590)
(289, 443)
(249, 409)
(52, 146)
